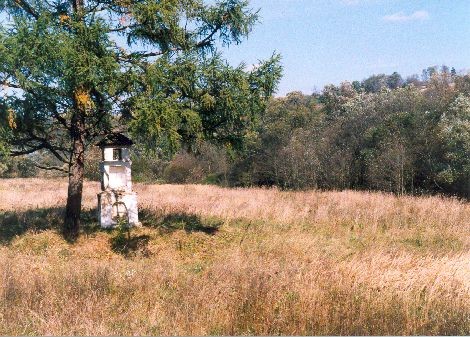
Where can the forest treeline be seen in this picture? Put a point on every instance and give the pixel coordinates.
(406, 136)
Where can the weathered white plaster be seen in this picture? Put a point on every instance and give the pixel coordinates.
(110, 203)
(116, 174)
(117, 198)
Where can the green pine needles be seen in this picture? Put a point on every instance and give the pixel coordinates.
(72, 71)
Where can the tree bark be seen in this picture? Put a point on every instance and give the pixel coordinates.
(76, 172)
(77, 5)
(73, 208)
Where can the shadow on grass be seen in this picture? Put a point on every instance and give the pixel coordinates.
(130, 245)
(16, 223)
(176, 221)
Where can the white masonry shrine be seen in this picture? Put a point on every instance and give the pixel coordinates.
(117, 202)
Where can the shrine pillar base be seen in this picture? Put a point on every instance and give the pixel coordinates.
(115, 206)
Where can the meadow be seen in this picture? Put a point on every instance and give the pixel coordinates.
(212, 260)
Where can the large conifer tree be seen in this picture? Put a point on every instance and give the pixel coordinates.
(74, 70)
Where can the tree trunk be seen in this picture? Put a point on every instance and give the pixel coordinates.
(76, 171)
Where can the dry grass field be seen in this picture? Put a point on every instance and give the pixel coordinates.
(210, 260)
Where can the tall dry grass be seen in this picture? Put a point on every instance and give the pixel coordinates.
(236, 261)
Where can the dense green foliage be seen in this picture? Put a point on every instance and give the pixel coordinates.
(168, 84)
(412, 138)
(73, 71)
(170, 88)
(404, 139)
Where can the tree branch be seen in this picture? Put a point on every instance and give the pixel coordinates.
(42, 143)
(14, 153)
(204, 42)
(27, 8)
(55, 152)
(77, 5)
(61, 119)
(120, 29)
(10, 85)
(151, 54)
(51, 168)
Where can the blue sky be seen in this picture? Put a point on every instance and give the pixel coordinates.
(329, 41)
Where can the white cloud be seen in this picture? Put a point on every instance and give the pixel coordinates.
(402, 17)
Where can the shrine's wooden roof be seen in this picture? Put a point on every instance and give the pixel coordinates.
(115, 139)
